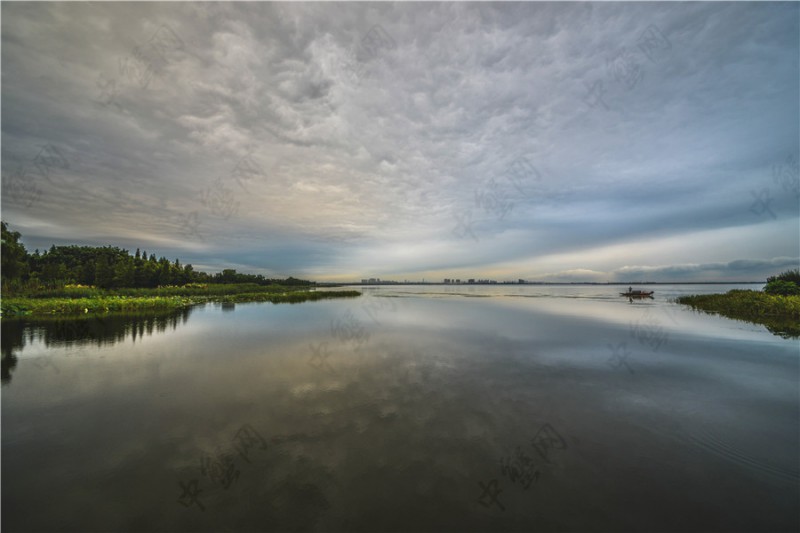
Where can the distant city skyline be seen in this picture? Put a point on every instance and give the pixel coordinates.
(557, 142)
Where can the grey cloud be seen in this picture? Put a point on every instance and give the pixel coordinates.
(366, 150)
(739, 269)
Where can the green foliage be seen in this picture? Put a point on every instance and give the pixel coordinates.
(103, 273)
(104, 304)
(124, 273)
(780, 314)
(64, 292)
(231, 276)
(75, 301)
(190, 289)
(790, 275)
(781, 287)
(292, 296)
(13, 256)
(106, 267)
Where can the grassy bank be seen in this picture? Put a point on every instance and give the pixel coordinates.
(780, 314)
(191, 289)
(91, 300)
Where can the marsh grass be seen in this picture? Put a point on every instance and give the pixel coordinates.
(90, 300)
(780, 314)
(192, 289)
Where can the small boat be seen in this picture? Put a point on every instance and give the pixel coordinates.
(637, 294)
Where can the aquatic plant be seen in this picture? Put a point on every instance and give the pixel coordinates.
(783, 288)
(780, 314)
(159, 299)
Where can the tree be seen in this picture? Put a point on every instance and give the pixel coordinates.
(86, 273)
(784, 284)
(149, 275)
(105, 267)
(14, 263)
(54, 274)
(783, 288)
(103, 273)
(789, 275)
(124, 273)
(188, 274)
(163, 274)
(228, 275)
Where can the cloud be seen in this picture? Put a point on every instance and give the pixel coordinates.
(732, 270)
(408, 139)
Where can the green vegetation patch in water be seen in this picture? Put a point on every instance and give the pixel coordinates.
(95, 301)
(780, 314)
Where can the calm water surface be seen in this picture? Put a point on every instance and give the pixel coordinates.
(485, 408)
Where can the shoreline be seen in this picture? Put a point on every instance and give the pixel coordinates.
(780, 314)
(101, 304)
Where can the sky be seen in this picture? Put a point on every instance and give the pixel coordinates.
(405, 141)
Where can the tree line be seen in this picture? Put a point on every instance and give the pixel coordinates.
(106, 267)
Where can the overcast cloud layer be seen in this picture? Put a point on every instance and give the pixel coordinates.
(563, 141)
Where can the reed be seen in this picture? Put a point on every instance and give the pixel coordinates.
(88, 301)
(780, 314)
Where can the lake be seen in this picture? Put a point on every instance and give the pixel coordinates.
(410, 408)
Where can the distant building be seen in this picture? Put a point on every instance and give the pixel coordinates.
(447, 280)
(471, 280)
(522, 281)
